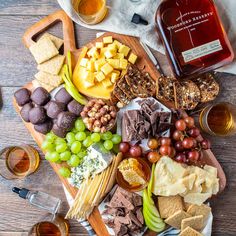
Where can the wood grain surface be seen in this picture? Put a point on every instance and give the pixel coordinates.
(17, 67)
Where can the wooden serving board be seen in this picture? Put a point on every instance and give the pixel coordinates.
(69, 45)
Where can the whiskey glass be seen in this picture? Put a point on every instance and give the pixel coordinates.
(17, 162)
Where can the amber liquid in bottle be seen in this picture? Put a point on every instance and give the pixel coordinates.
(193, 35)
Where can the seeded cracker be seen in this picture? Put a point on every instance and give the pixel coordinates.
(195, 210)
(195, 222)
(176, 219)
(57, 41)
(53, 80)
(52, 66)
(190, 232)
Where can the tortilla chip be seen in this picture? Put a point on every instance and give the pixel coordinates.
(195, 222)
(46, 78)
(43, 50)
(176, 219)
(190, 232)
(57, 41)
(203, 210)
(52, 66)
(169, 205)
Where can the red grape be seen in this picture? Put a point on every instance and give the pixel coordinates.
(153, 157)
(135, 151)
(194, 143)
(177, 135)
(189, 121)
(172, 153)
(179, 146)
(180, 125)
(193, 156)
(205, 144)
(153, 143)
(188, 143)
(194, 132)
(124, 147)
(165, 141)
(165, 150)
(180, 157)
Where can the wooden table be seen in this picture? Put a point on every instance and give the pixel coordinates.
(18, 67)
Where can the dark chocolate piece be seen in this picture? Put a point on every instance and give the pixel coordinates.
(66, 120)
(22, 96)
(44, 128)
(25, 111)
(58, 131)
(40, 96)
(37, 115)
(75, 107)
(54, 108)
(63, 96)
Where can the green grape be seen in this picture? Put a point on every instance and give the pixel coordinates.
(53, 157)
(65, 172)
(115, 148)
(95, 137)
(74, 130)
(50, 137)
(61, 147)
(74, 161)
(107, 135)
(80, 136)
(108, 144)
(79, 125)
(59, 141)
(47, 146)
(48, 155)
(65, 156)
(58, 162)
(103, 149)
(70, 137)
(82, 154)
(75, 147)
(87, 132)
(116, 138)
(88, 141)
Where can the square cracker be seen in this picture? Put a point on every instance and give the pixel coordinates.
(169, 205)
(176, 219)
(195, 222)
(37, 84)
(190, 232)
(195, 210)
(46, 78)
(52, 66)
(43, 50)
(57, 41)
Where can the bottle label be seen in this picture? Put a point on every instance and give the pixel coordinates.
(202, 50)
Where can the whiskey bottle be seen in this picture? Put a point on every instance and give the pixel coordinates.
(193, 36)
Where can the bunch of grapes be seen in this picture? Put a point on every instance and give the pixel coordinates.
(133, 151)
(72, 149)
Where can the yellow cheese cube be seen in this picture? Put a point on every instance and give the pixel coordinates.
(107, 68)
(123, 72)
(109, 53)
(102, 51)
(89, 77)
(107, 39)
(99, 63)
(100, 76)
(116, 71)
(115, 63)
(84, 62)
(132, 58)
(93, 52)
(90, 66)
(88, 84)
(118, 44)
(119, 56)
(124, 49)
(114, 77)
(112, 46)
(123, 64)
(107, 83)
(99, 44)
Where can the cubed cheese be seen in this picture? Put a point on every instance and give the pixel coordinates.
(123, 64)
(124, 49)
(89, 77)
(102, 51)
(90, 66)
(107, 68)
(93, 52)
(132, 58)
(99, 63)
(99, 44)
(88, 85)
(117, 43)
(84, 62)
(119, 56)
(123, 72)
(114, 77)
(115, 63)
(110, 52)
(112, 46)
(107, 39)
(116, 71)
(107, 83)
(100, 76)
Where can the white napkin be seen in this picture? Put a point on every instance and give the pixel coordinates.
(121, 12)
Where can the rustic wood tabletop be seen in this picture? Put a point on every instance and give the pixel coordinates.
(17, 67)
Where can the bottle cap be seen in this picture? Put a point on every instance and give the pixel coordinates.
(137, 19)
(22, 192)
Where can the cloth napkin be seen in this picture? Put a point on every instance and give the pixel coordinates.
(121, 12)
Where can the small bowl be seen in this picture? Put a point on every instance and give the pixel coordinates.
(125, 185)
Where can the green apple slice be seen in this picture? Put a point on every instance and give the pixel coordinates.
(150, 204)
(149, 188)
(152, 217)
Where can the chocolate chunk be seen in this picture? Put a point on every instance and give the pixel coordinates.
(63, 96)
(40, 96)
(58, 131)
(54, 108)
(66, 120)
(25, 111)
(75, 107)
(44, 128)
(22, 96)
(37, 115)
